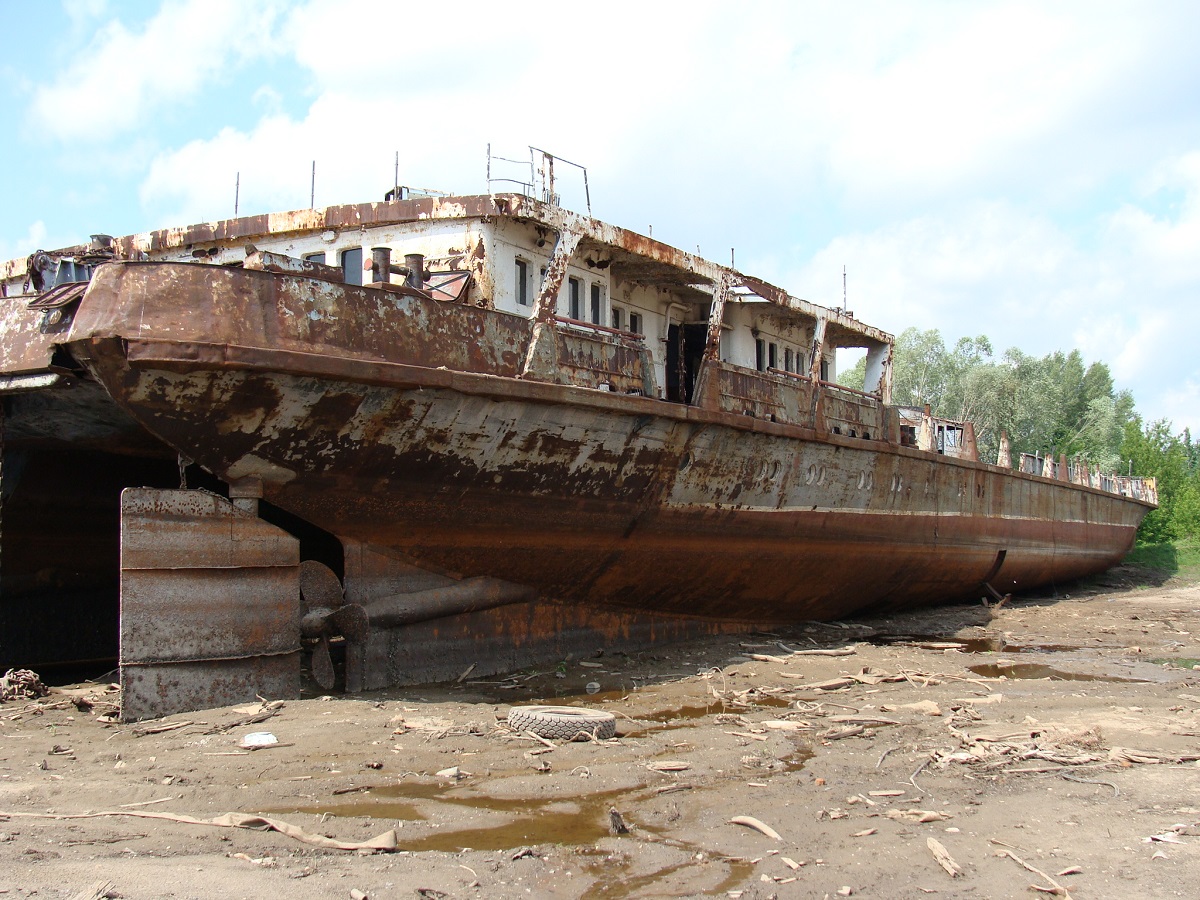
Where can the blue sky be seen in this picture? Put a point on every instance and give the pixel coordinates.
(1026, 171)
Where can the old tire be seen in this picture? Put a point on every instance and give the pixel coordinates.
(564, 723)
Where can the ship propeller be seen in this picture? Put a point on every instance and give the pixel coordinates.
(325, 614)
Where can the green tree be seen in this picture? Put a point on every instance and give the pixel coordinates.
(854, 377)
(919, 368)
(1152, 451)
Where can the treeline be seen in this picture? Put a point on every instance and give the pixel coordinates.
(1052, 405)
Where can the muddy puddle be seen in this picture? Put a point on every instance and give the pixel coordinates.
(579, 822)
(973, 645)
(1038, 670)
(613, 880)
(528, 820)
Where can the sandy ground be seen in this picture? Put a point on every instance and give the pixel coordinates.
(1056, 734)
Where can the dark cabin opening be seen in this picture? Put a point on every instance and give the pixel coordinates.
(685, 353)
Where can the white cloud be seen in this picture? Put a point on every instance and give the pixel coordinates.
(1180, 404)
(931, 272)
(1169, 245)
(890, 106)
(124, 77)
(83, 12)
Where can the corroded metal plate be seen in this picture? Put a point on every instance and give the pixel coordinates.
(209, 604)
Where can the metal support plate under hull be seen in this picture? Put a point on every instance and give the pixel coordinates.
(210, 602)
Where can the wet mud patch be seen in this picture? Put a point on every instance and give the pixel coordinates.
(527, 821)
(1038, 670)
(972, 644)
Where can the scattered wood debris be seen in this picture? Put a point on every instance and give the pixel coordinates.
(268, 709)
(266, 862)
(1060, 746)
(384, 842)
(760, 827)
(21, 684)
(943, 857)
(668, 765)
(101, 890)
(921, 816)
(1055, 888)
(871, 676)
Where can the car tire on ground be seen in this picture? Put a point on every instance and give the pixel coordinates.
(564, 723)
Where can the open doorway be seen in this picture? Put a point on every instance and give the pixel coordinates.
(685, 352)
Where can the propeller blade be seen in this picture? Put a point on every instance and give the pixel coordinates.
(319, 587)
(351, 622)
(322, 665)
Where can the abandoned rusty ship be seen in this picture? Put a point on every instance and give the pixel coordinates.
(445, 431)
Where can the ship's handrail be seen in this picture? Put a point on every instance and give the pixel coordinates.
(849, 390)
(592, 326)
(1138, 487)
(799, 376)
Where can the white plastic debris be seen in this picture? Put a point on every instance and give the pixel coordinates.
(259, 739)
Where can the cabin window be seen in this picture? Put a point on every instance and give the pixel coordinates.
(522, 283)
(772, 356)
(352, 262)
(597, 304)
(787, 359)
(616, 317)
(635, 323)
(760, 354)
(575, 293)
(824, 370)
(315, 257)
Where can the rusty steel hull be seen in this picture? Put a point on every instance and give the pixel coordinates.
(590, 497)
